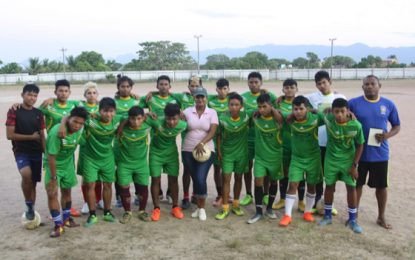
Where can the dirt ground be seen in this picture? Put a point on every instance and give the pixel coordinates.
(231, 238)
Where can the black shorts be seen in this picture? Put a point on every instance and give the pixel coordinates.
(378, 174)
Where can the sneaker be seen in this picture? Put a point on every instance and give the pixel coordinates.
(30, 215)
(255, 218)
(354, 226)
(177, 212)
(202, 214)
(217, 202)
(301, 205)
(169, 199)
(118, 203)
(265, 200)
(57, 231)
(109, 217)
(85, 209)
(70, 223)
(185, 203)
(100, 204)
(325, 221)
(195, 213)
(136, 200)
(155, 215)
(308, 216)
(193, 199)
(279, 205)
(238, 211)
(285, 221)
(92, 220)
(75, 213)
(142, 215)
(126, 217)
(222, 214)
(246, 200)
(270, 214)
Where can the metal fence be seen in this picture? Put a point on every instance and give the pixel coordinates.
(178, 75)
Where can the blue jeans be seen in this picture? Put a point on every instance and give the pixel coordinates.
(199, 172)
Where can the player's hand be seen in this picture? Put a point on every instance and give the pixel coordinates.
(313, 111)
(149, 96)
(36, 136)
(199, 149)
(47, 102)
(62, 131)
(263, 91)
(135, 96)
(279, 100)
(152, 115)
(16, 106)
(256, 114)
(353, 172)
(290, 118)
(182, 116)
(352, 116)
(381, 137)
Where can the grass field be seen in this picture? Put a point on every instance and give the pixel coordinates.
(232, 238)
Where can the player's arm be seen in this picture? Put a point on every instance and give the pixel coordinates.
(386, 135)
(208, 137)
(43, 140)
(62, 127)
(358, 153)
(11, 135)
(47, 102)
(276, 114)
(52, 186)
(219, 143)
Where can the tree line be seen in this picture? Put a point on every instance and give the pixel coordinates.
(166, 55)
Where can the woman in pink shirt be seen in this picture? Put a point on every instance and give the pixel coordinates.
(202, 123)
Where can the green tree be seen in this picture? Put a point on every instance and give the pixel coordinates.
(11, 68)
(217, 61)
(71, 63)
(113, 65)
(339, 62)
(370, 62)
(300, 63)
(90, 61)
(313, 60)
(256, 60)
(35, 67)
(277, 63)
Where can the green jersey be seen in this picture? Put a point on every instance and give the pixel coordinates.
(268, 139)
(286, 108)
(163, 142)
(99, 138)
(55, 112)
(124, 104)
(63, 149)
(220, 105)
(91, 108)
(342, 139)
(157, 104)
(234, 135)
(133, 145)
(185, 100)
(304, 137)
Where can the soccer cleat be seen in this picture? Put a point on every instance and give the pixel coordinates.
(325, 221)
(30, 215)
(85, 209)
(246, 200)
(126, 217)
(301, 205)
(57, 231)
(118, 203)
(238, 211)
(195, 213)
(202, 214)
(155, 215)
(136, 200)
(308, 216)
(285, 221)
(142, 215)
(109, 217)
(185, 203)
(279, 205)
(92, 220)
(177, 212)
(352, 224)
(70, 223)
(222, 214)
(75, 213)
(270, 214)
(254, 218)
(265, 199)
(217, 202)
(100, 204)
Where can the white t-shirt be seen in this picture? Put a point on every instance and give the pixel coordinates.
(321, 102)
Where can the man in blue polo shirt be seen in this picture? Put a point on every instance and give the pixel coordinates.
(374, 112)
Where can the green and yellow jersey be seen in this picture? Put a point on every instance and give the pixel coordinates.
(55, 112)
(157, 104)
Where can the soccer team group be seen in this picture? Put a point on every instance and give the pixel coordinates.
(286, 142)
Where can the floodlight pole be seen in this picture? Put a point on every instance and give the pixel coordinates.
(63, 61)
(331, 56)
(198, 53)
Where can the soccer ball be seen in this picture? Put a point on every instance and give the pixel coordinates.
(31, 224)
(203, 157)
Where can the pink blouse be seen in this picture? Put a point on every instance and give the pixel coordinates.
(198, 128)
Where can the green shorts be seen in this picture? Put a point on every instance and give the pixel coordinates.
(103, 170)
(66, 178)
(310, 169)
(334, 171)
(239, 165)
(271, 169)
(159, 166)
(126, 173)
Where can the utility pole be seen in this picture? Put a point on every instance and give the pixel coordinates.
(63, 61)
(331, 56)
(198, 53)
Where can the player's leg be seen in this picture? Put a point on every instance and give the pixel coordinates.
(141, 182)
(155, 192)
(309, 201)
(98, 194)
(126, 203)
(259, 173)
(301, 193)
(199, 177)
(362, 169)
(66, 204)
(378, 178)
(352, 208)
(237, 187)
(186, 186)
(266, 190)
(53, 203)
(328, 204)
(226, 183)
(173, 184)
(248, 185)
(217, 175)
(27, 186)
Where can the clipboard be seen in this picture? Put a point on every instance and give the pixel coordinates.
(371, 140)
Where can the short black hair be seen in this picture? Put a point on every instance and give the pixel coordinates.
(298, 100)
(163, 77)
(234, 95)
(255, 74)
(289, 82)
(31, 88)
(106, 103)
(264, 98)
(320, 75)
(121, 79)
(171, 110)
(372, 76)
(222, 82)
(135, 111)
(79, 112)
(62, 82)
(340, 102)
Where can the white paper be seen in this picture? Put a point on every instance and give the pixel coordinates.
(371, 138)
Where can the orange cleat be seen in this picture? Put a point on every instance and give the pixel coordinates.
(75, 213)
(155, 215)
(285, 221)
(308, 216)
(177, 212)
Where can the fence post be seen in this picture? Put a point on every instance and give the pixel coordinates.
(403, 72)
